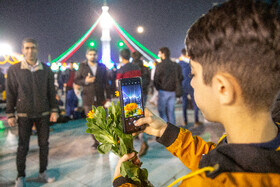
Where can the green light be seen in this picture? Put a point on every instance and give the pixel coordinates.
(91, 43)
(121, 44)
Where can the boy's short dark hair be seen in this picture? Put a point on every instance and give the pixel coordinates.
(241, 38)
(125, 53)
(165, 51)
(29, 40)
(90, 49)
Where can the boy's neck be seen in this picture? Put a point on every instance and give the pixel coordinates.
(243, 129)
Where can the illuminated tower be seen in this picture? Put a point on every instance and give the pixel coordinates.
(106, 23)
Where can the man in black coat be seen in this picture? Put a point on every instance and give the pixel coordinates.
(93, 77)
(167, 72)
(31, 97)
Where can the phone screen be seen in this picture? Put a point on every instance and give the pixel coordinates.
(131, 103)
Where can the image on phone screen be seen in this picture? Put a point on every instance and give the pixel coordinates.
(131, 103)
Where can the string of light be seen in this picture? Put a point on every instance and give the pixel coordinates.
(7, 60)
(126, 38)
(69, 52)
(135, 41)
(133, 44)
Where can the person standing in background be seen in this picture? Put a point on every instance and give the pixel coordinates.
(93, 77)
(154, 98)
(187, 89)
(71, 99)
(165, 83)
(31, 96)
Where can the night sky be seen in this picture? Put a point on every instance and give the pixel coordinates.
(58, 24)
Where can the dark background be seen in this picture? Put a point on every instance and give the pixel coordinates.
(58, 24)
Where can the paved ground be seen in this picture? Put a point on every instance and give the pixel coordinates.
(73, 163)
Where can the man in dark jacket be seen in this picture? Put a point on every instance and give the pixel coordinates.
(31, 94)
(93, 77)
(165, 83)
(187, 88)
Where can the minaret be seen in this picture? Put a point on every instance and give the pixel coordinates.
(105, 38)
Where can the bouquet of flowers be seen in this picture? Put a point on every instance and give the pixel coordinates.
(108, 130)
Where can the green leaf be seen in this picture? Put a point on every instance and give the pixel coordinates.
(104, 148)
(104, 138)
(89, 125)
(109, 124)
(88, 130)
(100, 122)
(113, 109)
(115, 150)
(129, 169)
(93, 108)
(91, 120)
(101, 111)
(137, 180)
(144, 173)
(123, 148)
(95, 127)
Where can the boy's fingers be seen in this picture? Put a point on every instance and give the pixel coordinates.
(128, 156)
(142, 121)
(147, 119)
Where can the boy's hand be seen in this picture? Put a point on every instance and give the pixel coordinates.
(125, 157)
(154, 125)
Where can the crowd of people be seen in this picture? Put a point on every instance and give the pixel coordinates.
(214, 73)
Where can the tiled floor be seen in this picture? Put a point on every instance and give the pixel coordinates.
(73, 163)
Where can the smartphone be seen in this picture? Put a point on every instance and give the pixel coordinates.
(131, 100)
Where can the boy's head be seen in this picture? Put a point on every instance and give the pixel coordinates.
(240, 39)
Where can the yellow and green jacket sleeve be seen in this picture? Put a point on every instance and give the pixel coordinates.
(189, 149)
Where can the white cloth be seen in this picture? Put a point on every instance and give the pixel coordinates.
(93, 68)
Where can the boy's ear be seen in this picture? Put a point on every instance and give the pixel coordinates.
(226, 88)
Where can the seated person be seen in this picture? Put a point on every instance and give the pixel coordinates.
(235, 62)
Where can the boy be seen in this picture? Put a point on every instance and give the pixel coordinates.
(235, 61)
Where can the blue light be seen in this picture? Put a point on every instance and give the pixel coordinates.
(108, 65)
